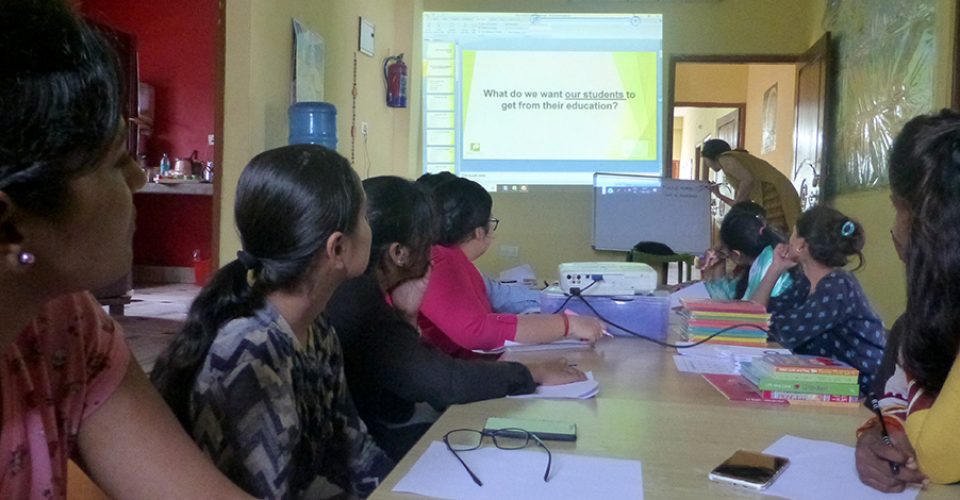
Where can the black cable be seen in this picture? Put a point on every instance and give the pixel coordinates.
(660, 342)
(571, 295)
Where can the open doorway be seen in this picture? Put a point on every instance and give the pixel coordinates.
(783, 102)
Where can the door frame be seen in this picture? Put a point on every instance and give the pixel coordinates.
(709, 59)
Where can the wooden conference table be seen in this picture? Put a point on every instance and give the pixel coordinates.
(675, 423)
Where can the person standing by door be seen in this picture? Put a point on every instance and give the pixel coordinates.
(753, 179)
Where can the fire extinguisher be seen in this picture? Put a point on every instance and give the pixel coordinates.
(395, 75)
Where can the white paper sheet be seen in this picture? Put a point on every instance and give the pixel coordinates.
(574, 390)
(821, 470)
(703, 364)
(512, 346)
(695, 291)
(522, 274)
(519, 474)
(735, 352)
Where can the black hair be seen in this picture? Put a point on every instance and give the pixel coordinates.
(925, 176)
(750, 207)
(463, 206)
(60, 102)
(831, 236)
(290, 200)
(744, 229)
(747, 232)
(399, 211)
(714, 148)
(431, 181)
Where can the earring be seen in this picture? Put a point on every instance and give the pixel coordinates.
(26, 258)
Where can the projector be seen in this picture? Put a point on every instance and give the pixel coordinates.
(608, 278)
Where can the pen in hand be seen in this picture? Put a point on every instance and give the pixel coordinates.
(884, 436)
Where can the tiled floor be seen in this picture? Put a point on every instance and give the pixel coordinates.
(156, 313)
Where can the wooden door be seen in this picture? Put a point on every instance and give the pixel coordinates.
(812, 105)
(729, 129)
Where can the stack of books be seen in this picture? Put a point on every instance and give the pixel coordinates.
(802, 379)
(745, 323)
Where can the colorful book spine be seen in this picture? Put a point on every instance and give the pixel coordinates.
(724, 306)
(762, 373)
(833, 389)
(728, 316)
(778, 363)
(811, 398)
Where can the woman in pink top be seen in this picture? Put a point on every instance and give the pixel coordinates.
(456, 315)
(68, 386)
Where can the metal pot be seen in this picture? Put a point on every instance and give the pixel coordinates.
(183, 166)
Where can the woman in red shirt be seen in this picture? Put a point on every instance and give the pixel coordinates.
(456, 315)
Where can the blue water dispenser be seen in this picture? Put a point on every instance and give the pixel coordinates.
(313, 122)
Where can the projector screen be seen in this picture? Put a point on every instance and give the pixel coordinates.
(519, 100)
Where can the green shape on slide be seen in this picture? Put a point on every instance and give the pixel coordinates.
(638, 73)
(469, 60)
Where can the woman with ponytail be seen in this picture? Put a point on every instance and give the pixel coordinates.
(256, 373)
(921, 404)
(825, 312)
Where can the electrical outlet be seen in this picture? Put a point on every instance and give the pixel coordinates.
(210, 140)
(364, 128)
(509, 251)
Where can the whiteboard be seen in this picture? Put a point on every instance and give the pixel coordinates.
(628, 209)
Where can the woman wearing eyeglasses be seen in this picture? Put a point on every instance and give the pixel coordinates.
(456, 315)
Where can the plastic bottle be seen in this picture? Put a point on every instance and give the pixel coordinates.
(164, 165)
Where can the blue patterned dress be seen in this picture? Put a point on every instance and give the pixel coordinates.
(276, 416)
(834, 320)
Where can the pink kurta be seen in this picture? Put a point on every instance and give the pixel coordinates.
(61, 368)
(456, 315)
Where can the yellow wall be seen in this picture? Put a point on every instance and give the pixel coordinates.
(258, 74)
(760, 78)
(704, 82)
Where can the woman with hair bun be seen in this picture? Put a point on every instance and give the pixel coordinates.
(824, 312)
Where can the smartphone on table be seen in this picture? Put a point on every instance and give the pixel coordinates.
(750, 469)
(543, 429)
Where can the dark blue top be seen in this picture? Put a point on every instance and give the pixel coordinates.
(833, 320)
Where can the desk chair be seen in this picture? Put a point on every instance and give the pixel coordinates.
(655, 253)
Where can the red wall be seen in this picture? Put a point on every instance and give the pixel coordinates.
(177, 45)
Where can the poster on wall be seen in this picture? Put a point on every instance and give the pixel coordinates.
(885, 77)
(769, 128)
(309, 53)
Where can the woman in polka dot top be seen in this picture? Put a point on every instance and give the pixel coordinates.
(825, 312)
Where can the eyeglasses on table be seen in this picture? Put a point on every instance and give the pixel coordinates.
(459, 440)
